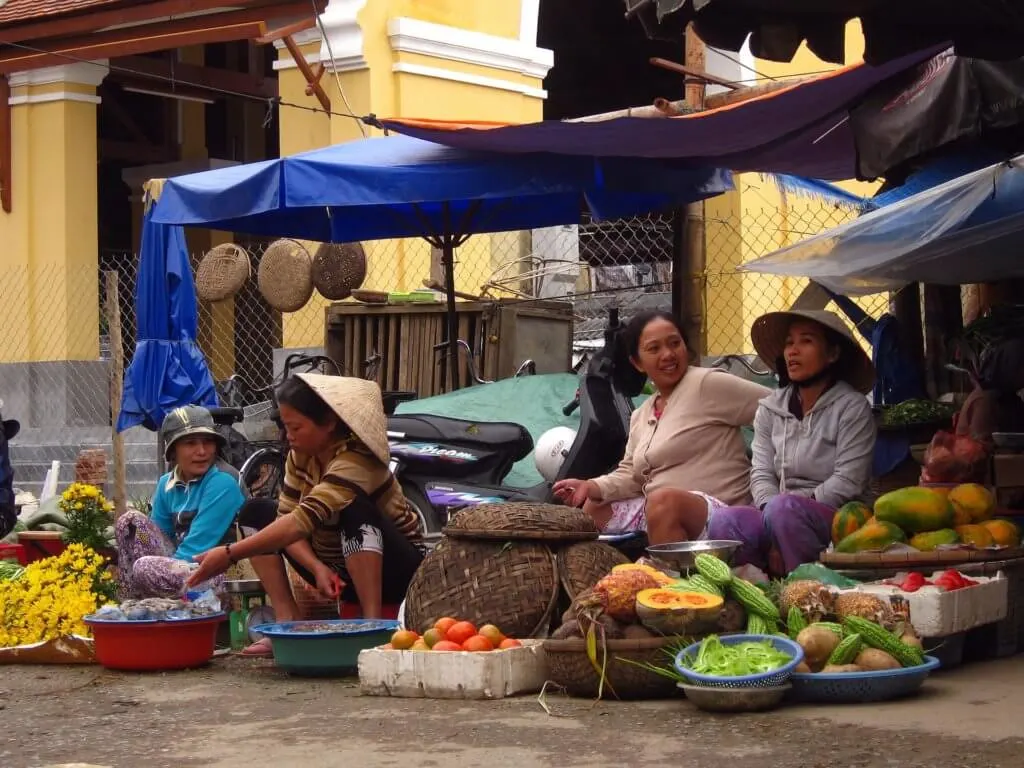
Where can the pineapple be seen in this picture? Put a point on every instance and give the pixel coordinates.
(866, 606)
(812, 598)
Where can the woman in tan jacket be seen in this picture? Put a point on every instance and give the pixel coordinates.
(685, 456)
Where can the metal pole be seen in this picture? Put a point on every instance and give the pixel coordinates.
(451, 318)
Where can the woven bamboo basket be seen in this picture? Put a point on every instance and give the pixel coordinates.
(522, 520)
(222, 272)
(339, 269)
(582, 565)
(513, 584)
(569, 667)
(312, 605)
(285, 276)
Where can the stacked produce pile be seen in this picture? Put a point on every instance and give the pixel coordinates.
(448, 634)
(847, 632)
(49, 598)
(924, 518)
(637, 601)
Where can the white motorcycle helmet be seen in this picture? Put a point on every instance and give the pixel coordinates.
(552, 448)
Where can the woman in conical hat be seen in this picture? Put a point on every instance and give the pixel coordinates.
(341, 519)
(813, 441)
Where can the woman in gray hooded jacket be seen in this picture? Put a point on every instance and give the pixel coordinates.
(813, 441)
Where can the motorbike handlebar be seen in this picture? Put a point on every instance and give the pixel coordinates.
(294, 361)
(569, 408)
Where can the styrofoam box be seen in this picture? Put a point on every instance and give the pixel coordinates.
(453, 674)
(937, 613)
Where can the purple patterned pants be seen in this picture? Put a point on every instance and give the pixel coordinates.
(791, 530)
(145, 557)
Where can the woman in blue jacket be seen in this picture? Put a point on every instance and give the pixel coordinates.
(194, 508)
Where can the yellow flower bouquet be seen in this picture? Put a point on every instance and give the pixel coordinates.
(48, 601)
(89, 515)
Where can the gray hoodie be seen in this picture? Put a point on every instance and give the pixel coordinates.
(826, 455)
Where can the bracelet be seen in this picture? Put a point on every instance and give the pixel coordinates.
(227, 551)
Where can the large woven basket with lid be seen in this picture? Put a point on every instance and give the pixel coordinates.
(522, 520)
(516, 565)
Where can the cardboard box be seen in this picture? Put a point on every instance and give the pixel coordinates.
(453, 674)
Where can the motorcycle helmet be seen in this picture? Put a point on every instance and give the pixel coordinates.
(552, 448)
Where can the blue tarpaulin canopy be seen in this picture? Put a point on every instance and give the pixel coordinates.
(168, 369)
(398, 186)
(966, 230)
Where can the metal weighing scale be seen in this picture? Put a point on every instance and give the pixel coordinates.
(251, 612)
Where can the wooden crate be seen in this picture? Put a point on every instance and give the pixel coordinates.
(511, 331)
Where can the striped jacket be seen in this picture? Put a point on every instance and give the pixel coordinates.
(318, 495)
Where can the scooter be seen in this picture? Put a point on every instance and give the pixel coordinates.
(445, 464)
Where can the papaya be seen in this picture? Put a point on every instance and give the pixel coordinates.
(974, 501)
(931, 540)
(915, 509)
(876, 534)
(848, 518)
(1005, 533)
(978, 535)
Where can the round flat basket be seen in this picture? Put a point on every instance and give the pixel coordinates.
(522, 520)
(569, 667)
(339, 269)
(514, 585)
(222, 272)
(285, 276)
(582, 565)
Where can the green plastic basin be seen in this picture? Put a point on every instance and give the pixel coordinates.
(325, 648)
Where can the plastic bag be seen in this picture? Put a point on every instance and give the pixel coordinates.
(954, 458)
(819, 572)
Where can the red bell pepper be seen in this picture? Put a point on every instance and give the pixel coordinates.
(913, 582)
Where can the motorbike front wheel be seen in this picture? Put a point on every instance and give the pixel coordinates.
(430, 522)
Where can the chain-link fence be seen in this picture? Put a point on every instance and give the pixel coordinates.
(57, 364)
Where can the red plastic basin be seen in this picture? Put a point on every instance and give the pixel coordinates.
(155, 646)
(14, 552)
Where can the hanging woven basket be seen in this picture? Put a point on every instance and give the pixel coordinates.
(285, 276)
(222, 272)
(339, 269)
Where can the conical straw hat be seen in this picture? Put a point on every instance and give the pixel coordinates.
(768, 335)
(358, 403)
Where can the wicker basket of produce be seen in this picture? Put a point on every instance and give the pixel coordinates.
(512, 584)
(570, 667)
(222, 272)
(582, 565)
(339, 269)
(285, 276)
(523, 520)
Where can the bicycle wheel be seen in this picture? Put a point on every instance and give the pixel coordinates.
(262, 474)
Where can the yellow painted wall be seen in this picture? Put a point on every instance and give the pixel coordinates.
(50, 254)
(757, 219)
(403, 264)
(492, 17)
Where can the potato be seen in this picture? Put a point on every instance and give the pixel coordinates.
(802, 668)
(913, 641)
(818, 644)
(842, 668)
(874, 659)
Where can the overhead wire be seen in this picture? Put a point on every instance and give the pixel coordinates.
(334, 66)
(177, 81)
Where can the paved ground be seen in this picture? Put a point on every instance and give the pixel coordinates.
(244, 713)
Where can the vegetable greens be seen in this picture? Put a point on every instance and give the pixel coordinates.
(738, 660)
